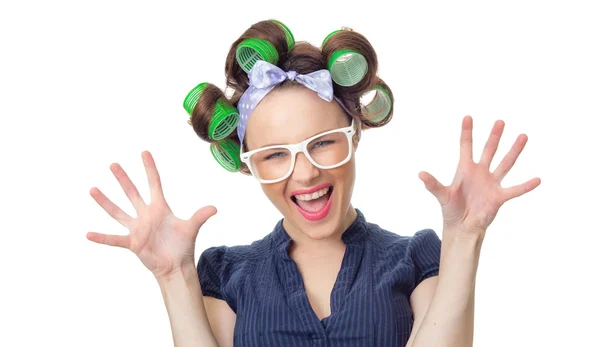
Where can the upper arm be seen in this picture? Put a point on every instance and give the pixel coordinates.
(221, 319)
(419, 301)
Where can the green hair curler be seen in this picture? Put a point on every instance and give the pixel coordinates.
(252, 50)
(191, 99)
(227, 153)
(224, 118)
(378, 108)
(289, 37)
(330, 35)
(347, 66)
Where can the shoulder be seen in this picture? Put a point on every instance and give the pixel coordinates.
(385, 240)
(413, 257)
(230, 258)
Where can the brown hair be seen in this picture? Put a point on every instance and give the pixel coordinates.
(303, 58)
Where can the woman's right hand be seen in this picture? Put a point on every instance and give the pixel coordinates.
(162, 241)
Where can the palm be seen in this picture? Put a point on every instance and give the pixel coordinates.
(473, 199)
(162, 241)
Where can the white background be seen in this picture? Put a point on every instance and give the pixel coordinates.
(84, 84)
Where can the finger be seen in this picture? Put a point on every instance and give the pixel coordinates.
(466, 139)
(128, 186)
(110, 208)
(110, 240)
(156, 191)
(434, 186)
(516, 191)
(511, 157)
(491, 145)
(202, 215)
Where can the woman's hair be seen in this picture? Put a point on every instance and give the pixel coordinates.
(303, 58)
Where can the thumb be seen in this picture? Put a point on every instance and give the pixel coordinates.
(202, 215)
(434, 186)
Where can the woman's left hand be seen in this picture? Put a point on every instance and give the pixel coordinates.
(472, 201)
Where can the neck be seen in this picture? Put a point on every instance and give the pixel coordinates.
(305, 246)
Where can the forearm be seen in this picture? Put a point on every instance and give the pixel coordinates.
(449, 320)
(183, 299)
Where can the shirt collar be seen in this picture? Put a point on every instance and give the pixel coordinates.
(355, 233)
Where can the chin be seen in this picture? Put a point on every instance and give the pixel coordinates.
(320, 232)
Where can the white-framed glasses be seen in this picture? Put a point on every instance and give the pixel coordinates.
(327, 150)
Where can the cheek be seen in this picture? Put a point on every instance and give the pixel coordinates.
(344, 177)
(275, 193)
(348, 171)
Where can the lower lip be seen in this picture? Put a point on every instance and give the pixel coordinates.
(316, 216)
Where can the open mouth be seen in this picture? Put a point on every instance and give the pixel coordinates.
(314, 206)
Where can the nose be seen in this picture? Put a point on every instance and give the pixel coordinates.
(304, 171)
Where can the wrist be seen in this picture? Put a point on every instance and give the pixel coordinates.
(185, 271)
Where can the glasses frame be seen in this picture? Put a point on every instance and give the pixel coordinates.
(301, 147)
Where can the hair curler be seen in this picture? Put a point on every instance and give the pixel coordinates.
(253, 49)
(224, 118)
(347, 66)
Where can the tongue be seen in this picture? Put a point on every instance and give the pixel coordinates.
(313, 205)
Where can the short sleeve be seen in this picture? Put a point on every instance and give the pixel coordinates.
(210, 271)
(424, 250)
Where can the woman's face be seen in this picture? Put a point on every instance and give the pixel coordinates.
(289, 116)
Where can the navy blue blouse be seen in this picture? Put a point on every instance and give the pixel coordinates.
(369, 301)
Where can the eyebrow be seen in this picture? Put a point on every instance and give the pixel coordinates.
(281, 144)
(272, 144)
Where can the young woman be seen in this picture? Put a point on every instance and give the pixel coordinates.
(324, 276)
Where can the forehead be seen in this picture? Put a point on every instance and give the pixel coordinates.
(291, 115)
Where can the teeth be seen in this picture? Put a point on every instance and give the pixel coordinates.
(315, 195)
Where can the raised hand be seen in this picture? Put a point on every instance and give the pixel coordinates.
(162, 241)
(473, 199)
